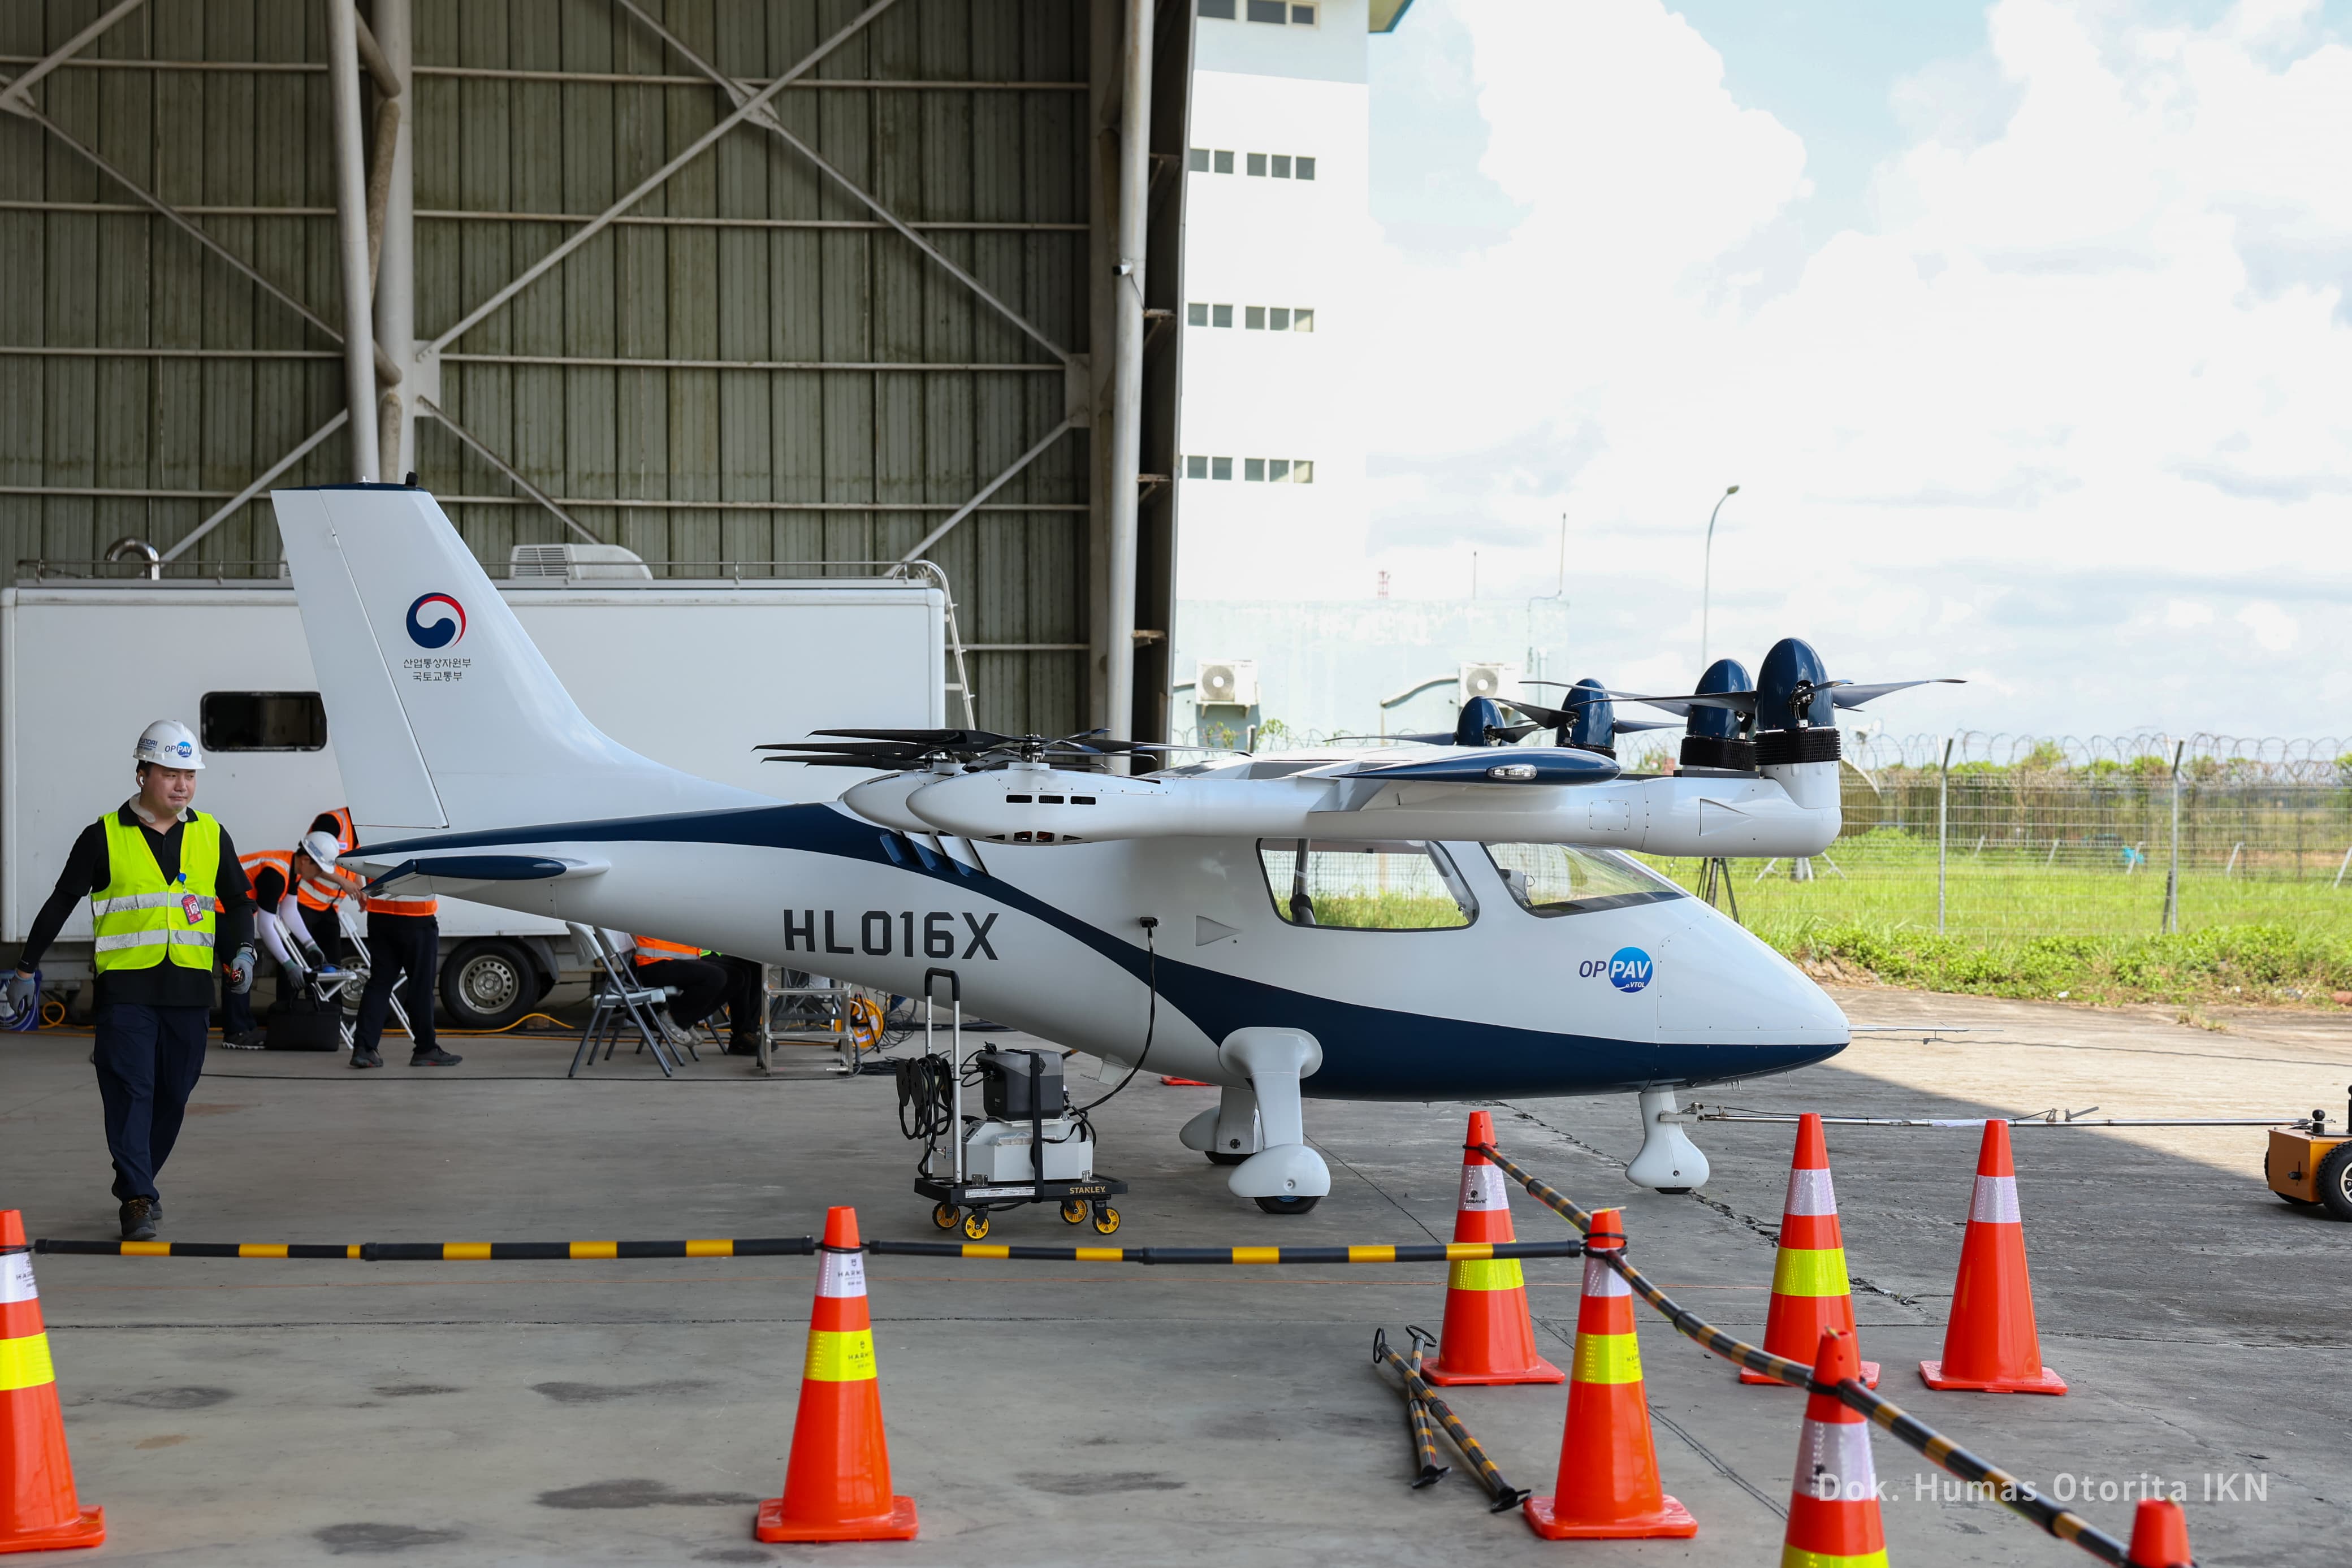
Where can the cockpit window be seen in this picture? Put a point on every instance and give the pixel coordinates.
(1562, 879)
(1365, 884)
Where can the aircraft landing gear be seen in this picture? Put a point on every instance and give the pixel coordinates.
(1285, 1176)
(1228, 1132)
(1669, 1162)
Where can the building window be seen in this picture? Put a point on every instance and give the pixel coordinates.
(1224, 161)
(1221, 468)
(1278, 470)
(1302, 15)
(1399, 885)
(1277, 320)
(1198, 161)
(262, 721)
(1282, 165)
(1221, 9)
(1196, 468)
(1255, 317)
(1273, 11)
(1304, 168)
(1196, 315)
(1257, 164)
(1221, 315)
(1302, 320)
(1253, 468)
(1302, 472)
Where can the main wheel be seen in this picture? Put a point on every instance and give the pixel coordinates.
(975, 1225)
(1105, 1219)
(2283, 1197)
(1219, 1157)
(2336, 1181)
(1288, 1204)
(1074, 1211)
(944, 1216)
(489, 983)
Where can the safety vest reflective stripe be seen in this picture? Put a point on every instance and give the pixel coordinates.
(1811, 1272)
(152, 939)
(840, 1355)
(654, 950)
(24, 1362)
(129, 902)
(1607, 1358)
(1488, 1274)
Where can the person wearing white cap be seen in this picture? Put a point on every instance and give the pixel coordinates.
(167, 894)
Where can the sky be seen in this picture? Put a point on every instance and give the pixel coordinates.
(2025, 329)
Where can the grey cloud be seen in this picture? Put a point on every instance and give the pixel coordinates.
(2281, 487)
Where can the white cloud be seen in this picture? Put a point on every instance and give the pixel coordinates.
(2085, 373)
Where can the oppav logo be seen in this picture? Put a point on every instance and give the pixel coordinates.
(1629, 969)
(185, 750)
(445, 629)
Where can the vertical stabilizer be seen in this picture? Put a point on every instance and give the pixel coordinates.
(443, 711)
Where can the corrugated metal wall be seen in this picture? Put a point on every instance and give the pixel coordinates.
(745, 258)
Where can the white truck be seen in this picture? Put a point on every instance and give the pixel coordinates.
(693, 673)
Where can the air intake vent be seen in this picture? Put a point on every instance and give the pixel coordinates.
(1777, 747)
(576, 563)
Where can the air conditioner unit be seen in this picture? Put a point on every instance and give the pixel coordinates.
(1226, 683)
(576, 563)
(1489, 681)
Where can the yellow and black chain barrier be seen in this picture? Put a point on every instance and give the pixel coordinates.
(1505, 1494)
(2018, 1496)
(801, 1246)
(1417, 1424)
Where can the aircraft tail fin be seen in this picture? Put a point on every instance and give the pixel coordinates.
(444, 713)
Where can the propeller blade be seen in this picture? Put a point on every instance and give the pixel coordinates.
(1625, 724)
(939, 739)
(1849, 694)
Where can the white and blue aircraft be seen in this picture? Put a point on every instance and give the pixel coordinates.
(1438, 922)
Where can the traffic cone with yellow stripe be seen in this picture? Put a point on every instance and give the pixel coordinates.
(1488, 1336)
(1810, 1289)
(1833, 1508)
(38, 1511)
(837, 1479)
(1608, 1486)
(1990, 1345)
(2159, 1536)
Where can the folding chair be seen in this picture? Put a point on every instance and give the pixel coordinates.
(621, 1002)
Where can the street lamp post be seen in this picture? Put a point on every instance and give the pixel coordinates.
(1706, 573)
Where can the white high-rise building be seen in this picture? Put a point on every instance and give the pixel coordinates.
(1277, 221)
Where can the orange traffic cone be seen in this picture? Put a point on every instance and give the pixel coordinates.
(1810, 1289)
(38, 1511)
(2159, 1535)
(1833, 1509)
(1608, 1486)
(837, 1479)
(1488, 1336)
(1990, 1345)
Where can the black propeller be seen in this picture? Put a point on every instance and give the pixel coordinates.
(895, 750)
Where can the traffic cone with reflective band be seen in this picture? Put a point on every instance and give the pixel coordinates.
(1990, 1345)
(1810, 1289)
(2159, 1535)
(38, 1511)
(837, 1479)
(1487, 1335)
(1608, 1485)
(1833, 1506)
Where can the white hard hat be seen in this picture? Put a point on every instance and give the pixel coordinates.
(168, 743)
(322, 848)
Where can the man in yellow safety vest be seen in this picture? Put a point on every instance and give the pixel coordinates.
(152, 870)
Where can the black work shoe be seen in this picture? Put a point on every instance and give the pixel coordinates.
(139, 1220)
(363, 1057)
(742, 1048)
(433, 1056)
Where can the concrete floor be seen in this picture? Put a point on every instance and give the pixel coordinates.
(253, 1413)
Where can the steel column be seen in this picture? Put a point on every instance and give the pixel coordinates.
(351, 234)
(395, 273)
(1126, 364)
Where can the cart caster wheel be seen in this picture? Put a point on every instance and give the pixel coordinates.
(1287, 1204)
(1074, 1211)
(975, 1225)
(1105, 1219)
(944, 1217)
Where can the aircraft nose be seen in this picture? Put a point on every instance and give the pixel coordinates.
(1718, 985)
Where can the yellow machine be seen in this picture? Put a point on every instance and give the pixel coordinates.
(2309, 1165)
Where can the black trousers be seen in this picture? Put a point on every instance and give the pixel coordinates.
(236, 1008)
(405, 949)
(703, 985)
(326, 931)
(149, 1059)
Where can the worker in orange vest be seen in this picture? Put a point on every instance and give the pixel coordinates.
(404, 938)
(705, 982)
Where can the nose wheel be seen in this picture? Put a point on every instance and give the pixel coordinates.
(1288, 1204)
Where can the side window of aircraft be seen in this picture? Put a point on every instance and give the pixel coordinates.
(1373, 885)
(1560, 879)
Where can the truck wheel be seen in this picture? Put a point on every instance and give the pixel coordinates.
(489, 983)
(2336, 1181)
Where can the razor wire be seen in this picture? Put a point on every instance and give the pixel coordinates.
(2017, 1496)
